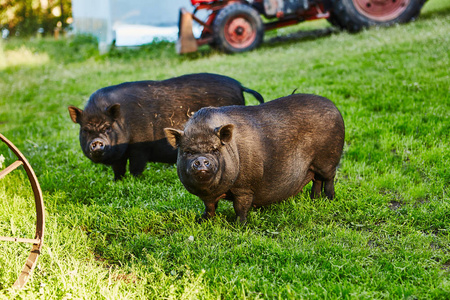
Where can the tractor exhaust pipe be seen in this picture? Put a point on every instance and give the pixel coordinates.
(186, 42)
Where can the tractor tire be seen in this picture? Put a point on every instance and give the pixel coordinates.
(354, 15)
(237, 28)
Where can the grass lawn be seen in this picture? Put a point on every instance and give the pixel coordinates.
(385, 236)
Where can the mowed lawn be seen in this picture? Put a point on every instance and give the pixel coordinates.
(385, 236)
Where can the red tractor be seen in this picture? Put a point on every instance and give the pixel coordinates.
(237, 26)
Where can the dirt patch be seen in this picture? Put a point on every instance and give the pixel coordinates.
(394, 205)
(302, 35)
(127, 278)
(446, 266)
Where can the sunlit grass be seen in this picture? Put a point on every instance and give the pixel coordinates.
(21, 57)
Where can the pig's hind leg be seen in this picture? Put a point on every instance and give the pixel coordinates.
(316, 189)
(320, 183)
(328, 182)
(323, 181)
(329, 188)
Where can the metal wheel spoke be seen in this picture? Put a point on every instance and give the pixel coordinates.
(40, 214)
(10, 168)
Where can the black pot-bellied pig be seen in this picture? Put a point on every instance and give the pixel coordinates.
(258, 155)
(126, 121)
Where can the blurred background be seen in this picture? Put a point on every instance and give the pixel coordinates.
(123, 22)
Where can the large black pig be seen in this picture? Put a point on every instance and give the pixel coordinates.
(258, 155)
(126, 121)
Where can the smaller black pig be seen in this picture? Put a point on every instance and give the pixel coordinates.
(259, 155)
(126, 121)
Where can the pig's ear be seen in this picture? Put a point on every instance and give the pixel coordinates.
(225, 133)
(114, 111)
(75, 114)
(173, 136)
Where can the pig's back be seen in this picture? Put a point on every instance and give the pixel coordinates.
(193, 91)
(306, 108)
(204, 89)
(177, 97)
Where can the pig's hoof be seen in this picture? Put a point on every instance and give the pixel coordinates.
(241, 221)
(203, 218)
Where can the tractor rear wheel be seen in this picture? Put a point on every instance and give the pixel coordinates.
(237, 28)
(354, 15)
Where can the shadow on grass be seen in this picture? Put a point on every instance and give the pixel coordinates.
(299, 36)
(287, 39)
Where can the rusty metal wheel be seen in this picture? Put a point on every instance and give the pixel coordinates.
(237, 28)
(239, 32)
(353, 15)
(40, 214)
(381, 10)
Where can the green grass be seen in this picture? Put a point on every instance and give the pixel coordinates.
(385, 236)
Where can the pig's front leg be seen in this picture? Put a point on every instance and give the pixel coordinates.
(242, 204)
(138, 161)
(211, 206)
(119, 168)
(210, 209)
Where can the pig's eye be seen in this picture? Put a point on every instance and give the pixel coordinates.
(188, 152)
(107, 129)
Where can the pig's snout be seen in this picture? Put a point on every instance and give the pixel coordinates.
(97, 145)
(202, 169)
(201, 164)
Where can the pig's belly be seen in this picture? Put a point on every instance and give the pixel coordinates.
(286, 181)
(274, 194)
